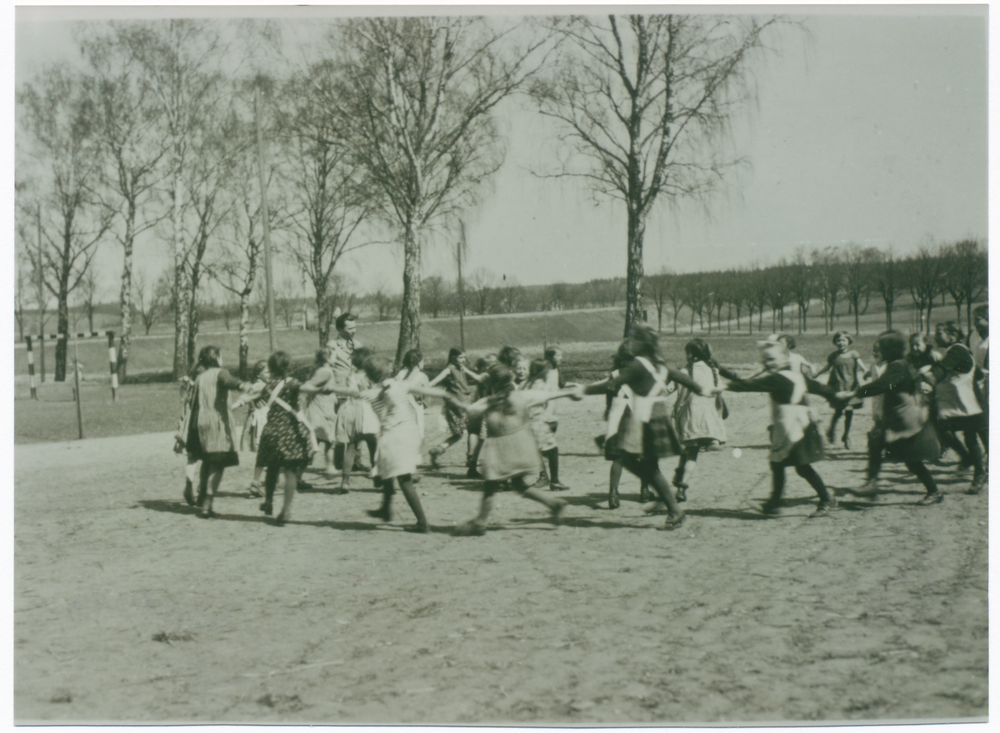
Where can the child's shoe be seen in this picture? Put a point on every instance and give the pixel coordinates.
(824, 509)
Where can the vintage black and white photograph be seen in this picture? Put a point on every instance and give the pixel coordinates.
(561, 366)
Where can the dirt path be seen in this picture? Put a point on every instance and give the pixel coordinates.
(128, 608)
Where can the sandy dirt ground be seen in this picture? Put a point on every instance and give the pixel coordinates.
(129, 608)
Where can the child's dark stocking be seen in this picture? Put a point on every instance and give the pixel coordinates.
(777, 488)
(614, 479)
(372, 442)
(202, 484)
(809, 474)
(918, 469)
(975, 453)
(876, 444)
(848, 418)
(384, 512)
(950, 440)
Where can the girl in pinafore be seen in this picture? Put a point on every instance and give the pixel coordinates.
(648, 434)
(510, 451)
(845, 367)
(699, 419)
(412, 372)
(398, 452)
(209, 429)
(909, 433)
(455, 380)
(321, 408)
(795, 439)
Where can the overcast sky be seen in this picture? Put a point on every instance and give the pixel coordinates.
(871, 128)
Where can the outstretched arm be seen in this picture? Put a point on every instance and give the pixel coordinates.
(439, 378)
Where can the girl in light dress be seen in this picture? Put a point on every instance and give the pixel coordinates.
(356, 422)
(795, 438)
(699, 418)
(845, 367)
(412, 372)
(459, 382)
(255, 420)
(398, 452)
(510, 451)
(543, 424)
(321, 408)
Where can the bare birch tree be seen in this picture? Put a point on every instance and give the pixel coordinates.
(419, 103)
(646, 99)
(57, 119)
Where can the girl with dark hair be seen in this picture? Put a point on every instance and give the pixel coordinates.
(795, 439)
(286, 443)
(845, 367)
(356, 422)
(958, 406)
(398, 451)
(910, 436)
(617, 414)
(542, 421)
(699, 419)
(649, 434)
(209, 430)
(454, 379)
(510, 452)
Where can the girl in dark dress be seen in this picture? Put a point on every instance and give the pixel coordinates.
(910, 436)
(458, 381)
(648, 435)
(286, 444)
(845, 367)
(795, 439)
(209, 430)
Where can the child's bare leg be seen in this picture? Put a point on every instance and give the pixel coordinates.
(291, 480)
(406, 485)
(555, 505)
(350, 451)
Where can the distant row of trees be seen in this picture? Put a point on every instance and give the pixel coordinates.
(849, 278)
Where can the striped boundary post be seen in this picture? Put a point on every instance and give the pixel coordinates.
(112, 357)
(113, 362)
(31, 369)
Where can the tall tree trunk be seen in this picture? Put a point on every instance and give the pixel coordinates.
(62, 326)
(125, 302)
(182, 289)
(409, 322)
(633, 281)
(192, 339)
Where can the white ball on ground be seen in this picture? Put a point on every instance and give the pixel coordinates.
(737, 453)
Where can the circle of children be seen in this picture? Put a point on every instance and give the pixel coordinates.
(922, 397)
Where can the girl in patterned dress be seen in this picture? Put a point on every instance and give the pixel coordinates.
(845, 367)
(510, 451)
(286, 445)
